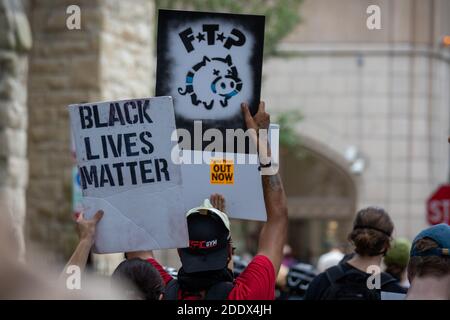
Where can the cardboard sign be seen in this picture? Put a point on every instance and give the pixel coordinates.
(243, 197)
(209, 63)
(123, 153)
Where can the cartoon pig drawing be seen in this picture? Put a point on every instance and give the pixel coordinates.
(219, 74)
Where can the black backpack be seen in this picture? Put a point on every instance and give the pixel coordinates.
(352, 285)
(218, 291)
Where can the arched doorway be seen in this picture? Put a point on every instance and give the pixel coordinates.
(321, 199)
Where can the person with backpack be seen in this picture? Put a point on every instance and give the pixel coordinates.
(353, 279)
(206, 272)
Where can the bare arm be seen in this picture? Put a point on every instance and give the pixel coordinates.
(86, 234)
(274, 233)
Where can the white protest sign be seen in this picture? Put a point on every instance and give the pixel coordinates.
(123, 152)
(236, 176)
(240, 184)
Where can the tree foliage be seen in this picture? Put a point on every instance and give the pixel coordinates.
(281, 16)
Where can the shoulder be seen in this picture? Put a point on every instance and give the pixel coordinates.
(317, 287)
(164, 274)
(256, 282)
(392, 284)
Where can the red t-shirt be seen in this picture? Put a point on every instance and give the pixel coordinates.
(256, 282)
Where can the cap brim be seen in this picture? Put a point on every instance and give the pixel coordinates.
(223, 216)
(215, 260)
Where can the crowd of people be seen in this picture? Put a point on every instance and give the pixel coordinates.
(420, 270)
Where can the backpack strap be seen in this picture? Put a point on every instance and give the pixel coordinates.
(219, 291)
(171, 290)
(335, 273)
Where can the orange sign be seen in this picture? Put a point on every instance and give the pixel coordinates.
(222, 171)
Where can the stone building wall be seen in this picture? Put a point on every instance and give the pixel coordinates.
(109, 58)
(383, 91)
(15, 41)
(126, 47)
(391, 106)
(64, 69)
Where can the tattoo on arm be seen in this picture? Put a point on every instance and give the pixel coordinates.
(272, 182)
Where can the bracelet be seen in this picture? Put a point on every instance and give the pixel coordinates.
(267, 165)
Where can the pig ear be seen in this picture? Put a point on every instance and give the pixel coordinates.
(228, 60)
(205, 59)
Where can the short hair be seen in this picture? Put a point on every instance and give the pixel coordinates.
(421, 266)
(372, 230)
(397, 257)
(142, 276)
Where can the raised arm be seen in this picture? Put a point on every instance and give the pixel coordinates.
(274, 232)
(86, 234)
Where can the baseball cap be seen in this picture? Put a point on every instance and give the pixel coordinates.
(209, 234)
(440, 234)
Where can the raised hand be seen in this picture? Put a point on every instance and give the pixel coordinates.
(86, 228)
(217, 201)
(258, 126)
(261, 120)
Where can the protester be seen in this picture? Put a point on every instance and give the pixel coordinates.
(429, 265)
(330, 259)
(288, 258)
(299, 279)
(372, 230)
(206, 271)
(35, 278)
(396, 261)
(86, 236)
(139, 279)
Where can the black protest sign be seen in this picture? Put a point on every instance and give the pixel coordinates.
(209, 63)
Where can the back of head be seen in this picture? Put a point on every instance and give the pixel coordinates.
(141, 279)
(430, 253)
(397, 257)
(372, 229)
(209, 240)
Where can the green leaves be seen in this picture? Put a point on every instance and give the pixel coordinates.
(287, 121)
(281, 16)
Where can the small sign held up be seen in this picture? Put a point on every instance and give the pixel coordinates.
(222, 171)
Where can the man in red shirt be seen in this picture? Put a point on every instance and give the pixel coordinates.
(206, 272)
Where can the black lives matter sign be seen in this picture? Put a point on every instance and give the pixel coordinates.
(125, 144)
